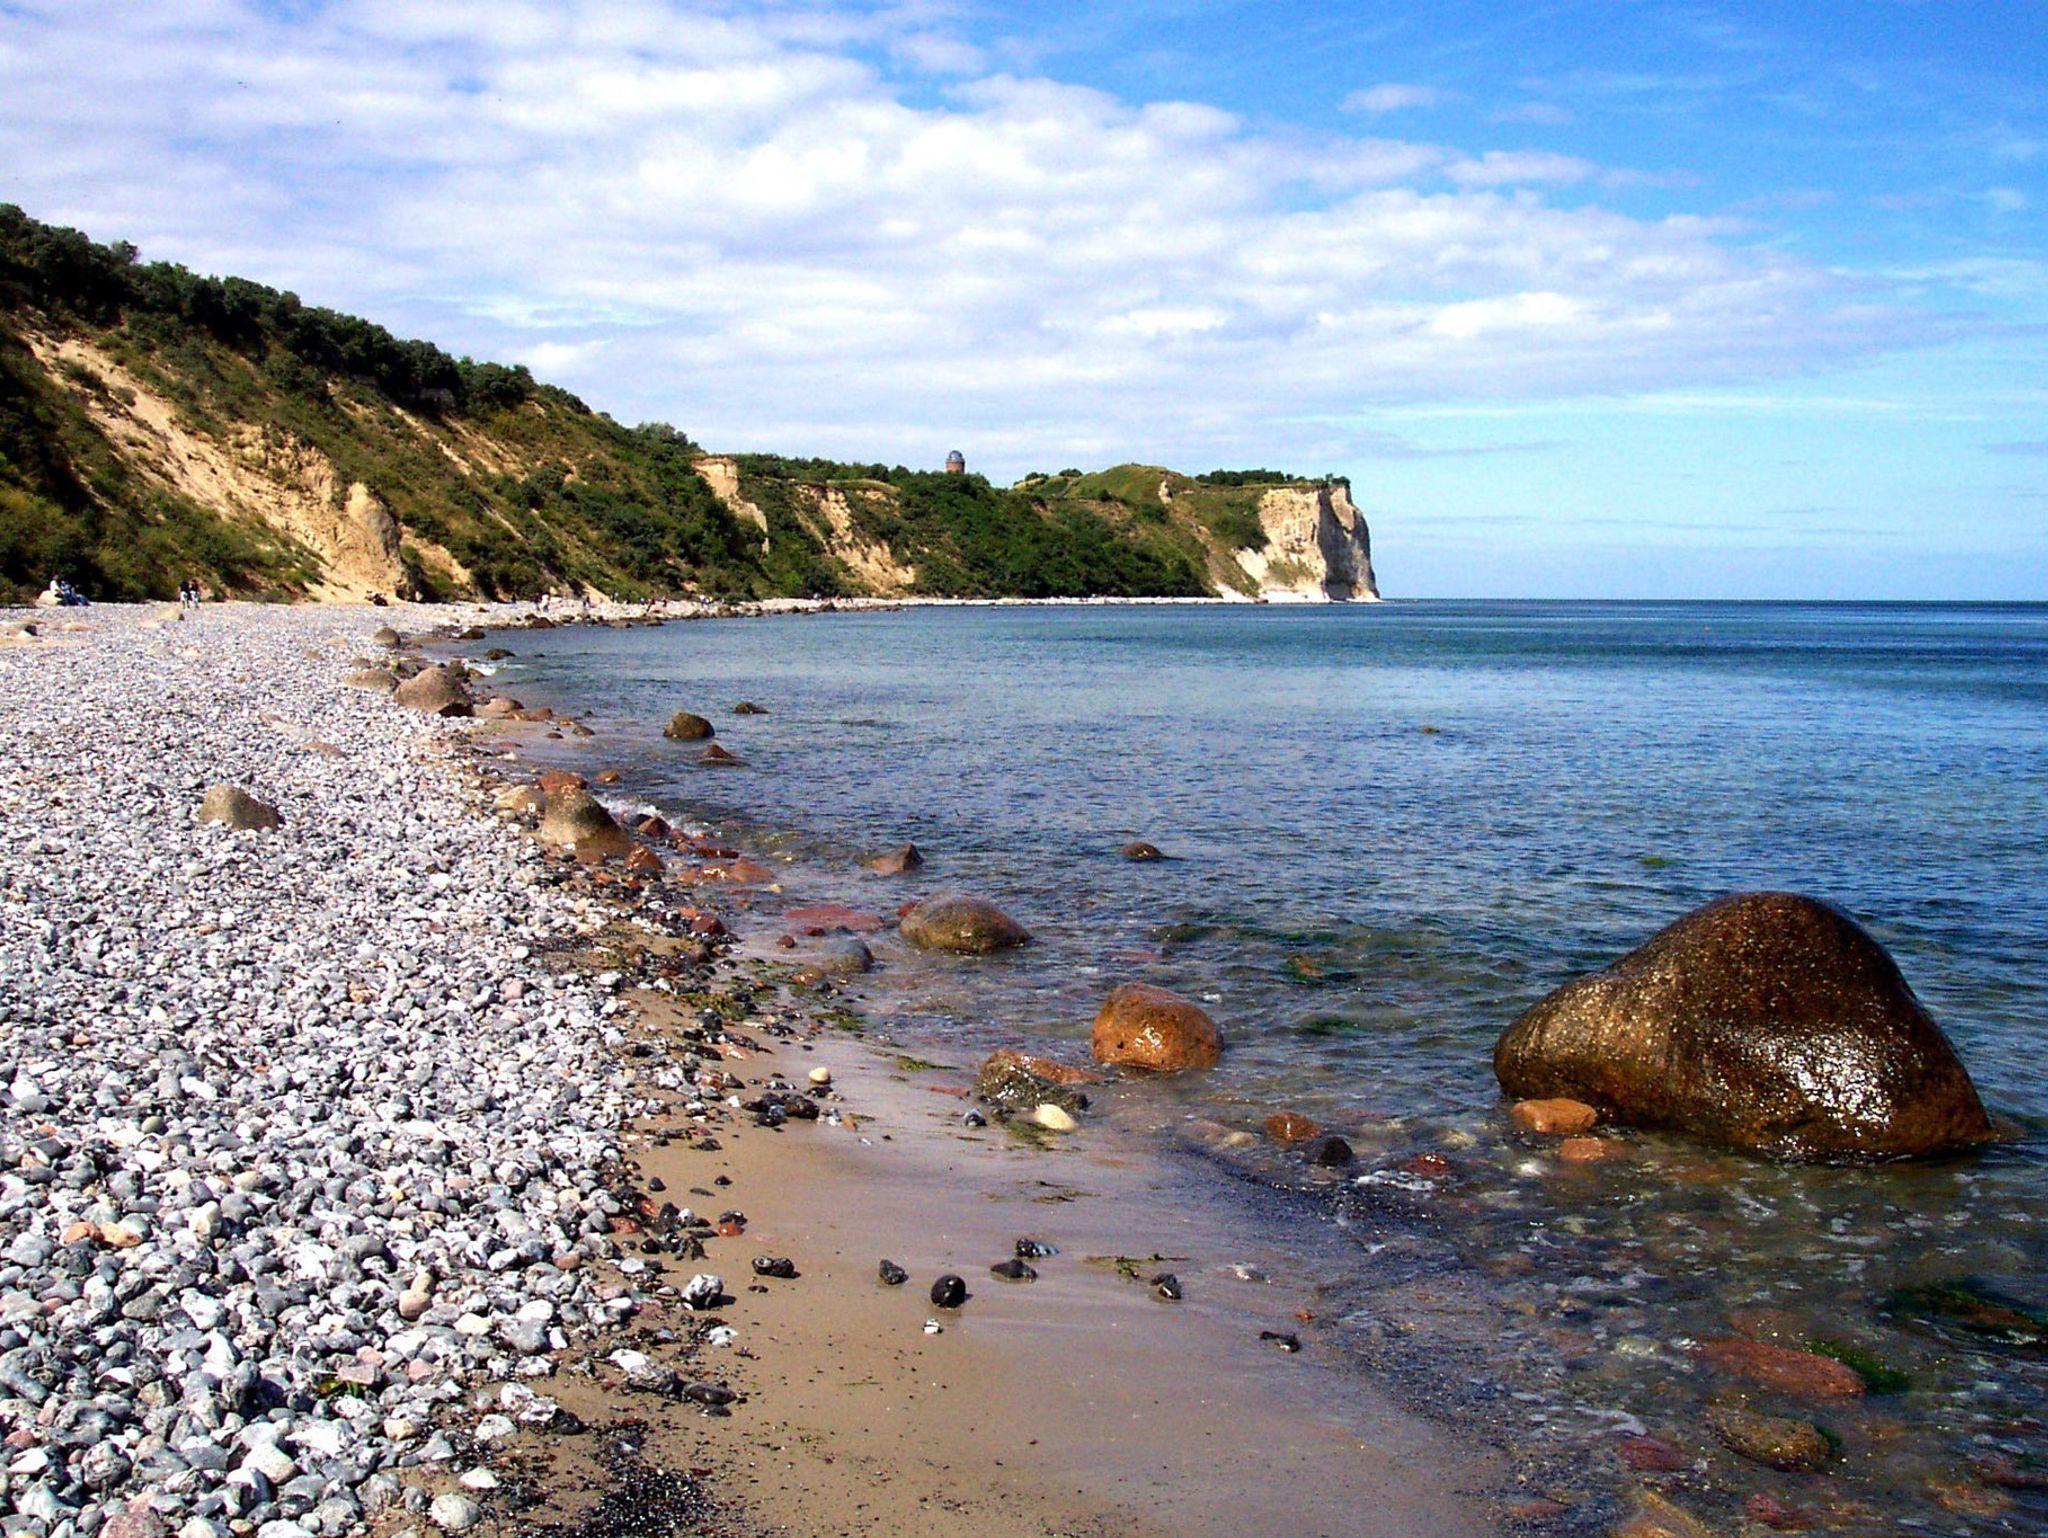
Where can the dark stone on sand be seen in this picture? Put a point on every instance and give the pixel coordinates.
(891, 1274)
(1140, 850)
(950, 921)
(897, 862)
(1013, 1271)
(1282, 1339)
(708, 1393)
(1140, 1026)
(1033, 1249)
(779, 1266)
(683, 726)
(1166, 1287)
(1330, 1151)
(949, 1291)
(1766, 1021)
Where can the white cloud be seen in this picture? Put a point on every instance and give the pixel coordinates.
(1395, 97)
(737, 221)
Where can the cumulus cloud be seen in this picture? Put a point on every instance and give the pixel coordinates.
(753, 223)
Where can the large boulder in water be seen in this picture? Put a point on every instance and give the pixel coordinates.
(1140, 1026)
(948, 921)
(1765, 1021)
(686, 726)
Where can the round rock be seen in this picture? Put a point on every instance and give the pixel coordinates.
(1766, 1021)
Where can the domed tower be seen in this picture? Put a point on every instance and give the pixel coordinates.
(956, 463)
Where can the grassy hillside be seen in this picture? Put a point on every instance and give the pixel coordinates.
(157, 424)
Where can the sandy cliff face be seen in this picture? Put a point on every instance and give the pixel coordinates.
(1317, 547)
(828, 516)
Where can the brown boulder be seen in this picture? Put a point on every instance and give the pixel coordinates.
(375, 680)
(1140, 1026)
(1140, 850)
(235, 807)
(965, 925)
(384, 635)
(1801, 1374)
(578, 819)
(1766, 1021)
(1554, 1118)
(1008, 1081)
(748, 708)
(897, 862)
(499, 709)
(644, 861)
(552, 780)
(1050, 1069)
(442, 691)
(717, 757)
(685, 727)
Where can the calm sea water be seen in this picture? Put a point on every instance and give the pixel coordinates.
(1393, 828)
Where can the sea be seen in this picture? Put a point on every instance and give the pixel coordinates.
(1389, 829)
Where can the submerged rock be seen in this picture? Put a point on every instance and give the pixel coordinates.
(1554, 1118)
(1801, 1374)
(1778, 1441)
(897, 862)
(964, 925)
(1138, 849)
(232, 805)
(1766, 1021)
(1140, 1026)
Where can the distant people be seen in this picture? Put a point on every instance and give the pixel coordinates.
(60, 595)
(188, 594)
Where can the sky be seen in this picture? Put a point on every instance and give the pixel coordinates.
(1596, 298)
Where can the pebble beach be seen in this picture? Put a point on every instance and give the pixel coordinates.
(299, 1133)
(332, 1158)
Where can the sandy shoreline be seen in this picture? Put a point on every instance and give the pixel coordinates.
(1076, 1403)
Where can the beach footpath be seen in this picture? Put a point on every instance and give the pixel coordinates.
(366, 1168)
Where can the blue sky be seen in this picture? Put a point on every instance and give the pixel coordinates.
(1589, 299)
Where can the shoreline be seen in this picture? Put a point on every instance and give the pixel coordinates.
(1074, 1357)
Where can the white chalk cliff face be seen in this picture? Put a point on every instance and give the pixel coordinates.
(1318, 548)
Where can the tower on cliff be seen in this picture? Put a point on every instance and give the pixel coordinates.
(956, 463)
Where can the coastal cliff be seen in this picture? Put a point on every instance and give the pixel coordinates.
(1317, 547)
(158, 426)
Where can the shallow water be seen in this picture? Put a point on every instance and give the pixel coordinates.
(1392, 829)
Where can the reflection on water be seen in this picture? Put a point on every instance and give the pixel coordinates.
(1394, 828)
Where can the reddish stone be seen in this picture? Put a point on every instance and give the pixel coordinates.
(1802, 1374)
(1140, 1026)
(562, 779)
(1772, 1512)
(708, 924)
(897, 862)
(787, 942)
(624, 1226)
(1554, 1118)
(608, 777)
(1587, 1150)
(1291, 1127)
(1431, 1166)
(731, 1230)
(831, 916)
(711, 851)
(749, 873)
(645, 861)
(1652, 1455)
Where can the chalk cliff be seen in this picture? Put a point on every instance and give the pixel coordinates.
(1317, 547)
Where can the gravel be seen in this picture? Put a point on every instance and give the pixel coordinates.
(301, 1142)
